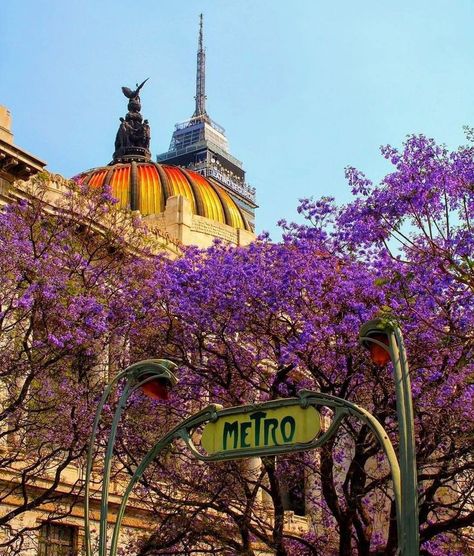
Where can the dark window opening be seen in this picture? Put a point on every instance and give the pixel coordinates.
(57, 540)
(293, 496)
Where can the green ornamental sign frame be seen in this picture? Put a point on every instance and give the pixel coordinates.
(271, 428)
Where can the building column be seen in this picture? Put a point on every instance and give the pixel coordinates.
(179, 218)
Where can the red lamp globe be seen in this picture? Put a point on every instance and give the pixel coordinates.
(156, 388)
(379, 355)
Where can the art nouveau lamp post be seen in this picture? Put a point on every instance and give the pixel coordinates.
(385, 342)
(154, 377)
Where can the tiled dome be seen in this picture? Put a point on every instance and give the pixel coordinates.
(146, 186)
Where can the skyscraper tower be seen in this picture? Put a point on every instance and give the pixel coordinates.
(201, 145)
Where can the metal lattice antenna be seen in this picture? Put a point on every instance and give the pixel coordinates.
(200, 97)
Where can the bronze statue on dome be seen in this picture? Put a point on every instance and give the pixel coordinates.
(132, 141)
(134, 94)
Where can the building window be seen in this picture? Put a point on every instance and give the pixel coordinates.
(292, 485)
(57, 540)
(293, 497)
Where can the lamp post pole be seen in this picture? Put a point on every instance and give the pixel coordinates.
(154, 376)
(383, 335)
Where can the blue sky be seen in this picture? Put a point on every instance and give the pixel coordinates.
(303, 88)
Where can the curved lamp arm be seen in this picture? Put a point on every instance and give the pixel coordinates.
(136, 375)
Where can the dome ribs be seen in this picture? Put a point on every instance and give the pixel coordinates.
(213, 208)
(146, 186)
(165, 185)
(97, 178)
(151, 191)
(120, 183)
(179, 184)
(234, 215)
(134, 192)
(108, 177)
(201, 211)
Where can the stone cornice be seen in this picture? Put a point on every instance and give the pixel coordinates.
(16, 163)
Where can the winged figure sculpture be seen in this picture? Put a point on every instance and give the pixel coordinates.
(133, 94)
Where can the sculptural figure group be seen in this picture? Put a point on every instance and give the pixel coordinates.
(133, 131)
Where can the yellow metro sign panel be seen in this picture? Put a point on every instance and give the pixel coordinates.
(263, 428)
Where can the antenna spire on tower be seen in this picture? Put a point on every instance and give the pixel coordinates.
(200, 97)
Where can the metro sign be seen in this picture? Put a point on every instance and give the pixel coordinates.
(262, 427)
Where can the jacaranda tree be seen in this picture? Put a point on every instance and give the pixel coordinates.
(252, 324)
(261, 322)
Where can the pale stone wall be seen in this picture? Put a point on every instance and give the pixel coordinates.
(205, 230)
(14, 161)
(191, 229)
(6, 125)
(135, 526)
